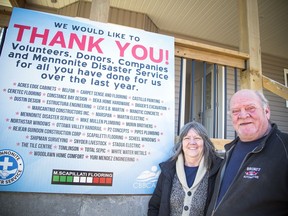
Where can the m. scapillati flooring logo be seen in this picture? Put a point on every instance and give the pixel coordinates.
(73, 177)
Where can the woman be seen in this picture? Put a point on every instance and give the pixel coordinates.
(186, 182)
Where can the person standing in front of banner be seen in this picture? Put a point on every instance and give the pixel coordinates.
(187, 179)
(253, 179)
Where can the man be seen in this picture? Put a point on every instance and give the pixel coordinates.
(253, 178)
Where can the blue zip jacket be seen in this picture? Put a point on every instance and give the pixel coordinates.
(260, 187)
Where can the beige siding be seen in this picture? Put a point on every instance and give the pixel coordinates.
(177, 91)
(84, 9)
(273, 68)
(230, 92)
(132, 19)
(116, 16)
(70, 10)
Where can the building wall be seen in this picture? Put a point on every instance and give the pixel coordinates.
(273, 67)
(37, 204)
(177, 91)
(230, 91)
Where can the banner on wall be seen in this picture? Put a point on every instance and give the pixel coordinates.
(86, 107)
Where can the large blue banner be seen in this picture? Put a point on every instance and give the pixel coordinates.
(86, 107)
